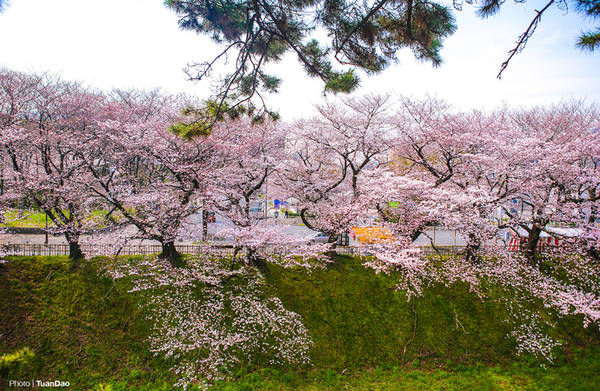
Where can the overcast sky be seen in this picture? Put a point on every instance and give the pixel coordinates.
(137, 43)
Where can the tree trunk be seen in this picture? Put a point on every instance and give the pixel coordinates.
(236, 250)
(169, 252)
(593, 252)
(75, 253)
(332, 239)
(304, 219)
(332, 252)
(255, 260)
(204, 225)
(472, 249)
(532, 242)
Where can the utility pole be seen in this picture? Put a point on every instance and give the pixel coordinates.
(266, 198)
(204, 224)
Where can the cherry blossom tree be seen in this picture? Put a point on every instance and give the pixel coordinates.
(548, 166)
(422, 153)
(332, 156)
(212, 330)
(249, 154)
(18, 93)
(153, 178)
(464, 170)
(44, 120)
(419, 179)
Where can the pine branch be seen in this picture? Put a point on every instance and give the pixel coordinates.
(524, 38)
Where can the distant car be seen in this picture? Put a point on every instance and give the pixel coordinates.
(318, 237)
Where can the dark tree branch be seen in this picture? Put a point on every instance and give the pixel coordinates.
(524, 38)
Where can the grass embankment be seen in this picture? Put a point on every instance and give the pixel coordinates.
(26, 219)
(34, 219)
(82, 329)
(79, 327)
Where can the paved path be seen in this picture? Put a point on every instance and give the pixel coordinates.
(290, 226)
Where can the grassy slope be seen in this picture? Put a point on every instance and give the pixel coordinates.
(79, 334)
(367, 336)
(446, 340)
(31, 219)
(357, 318)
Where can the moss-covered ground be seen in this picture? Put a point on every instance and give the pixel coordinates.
(82, 328)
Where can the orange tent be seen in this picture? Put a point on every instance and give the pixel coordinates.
(372, 235)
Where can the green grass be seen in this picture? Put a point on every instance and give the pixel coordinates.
(357, 318)
(582, 375)
(80, 328)
(25, 218)
(77, 331)
(34, 219)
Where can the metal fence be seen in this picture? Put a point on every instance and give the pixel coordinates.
(30, 249)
